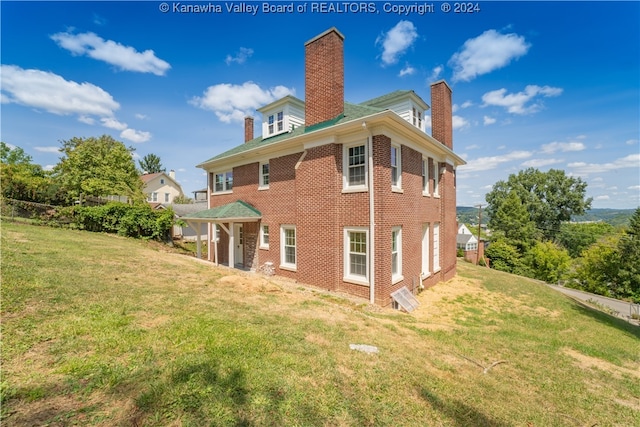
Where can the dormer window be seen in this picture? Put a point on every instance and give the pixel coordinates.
(276, 122)
(417, 118)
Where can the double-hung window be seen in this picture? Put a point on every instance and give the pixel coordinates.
(264, 237)
(355, 167)
(425, 177)
(436, 179)
(223, 182)
(425, 250)
(396, 254)
(356, 255)
(275, 123)
(288, 247)
(264, 175)
(396, 167)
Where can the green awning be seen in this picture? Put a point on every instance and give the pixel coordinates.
(235, 211)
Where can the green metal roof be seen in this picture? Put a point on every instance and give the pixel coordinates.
(237, 209)
(351, 112)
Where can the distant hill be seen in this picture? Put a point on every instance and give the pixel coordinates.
(615, 217)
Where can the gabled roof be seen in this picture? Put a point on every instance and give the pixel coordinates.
(231, 211)
(147, 177)
(466, 238)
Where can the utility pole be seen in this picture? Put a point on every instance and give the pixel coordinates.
(479, 224)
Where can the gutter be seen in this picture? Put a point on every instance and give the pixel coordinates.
(372, 225)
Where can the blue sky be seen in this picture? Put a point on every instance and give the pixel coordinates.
(535, 84)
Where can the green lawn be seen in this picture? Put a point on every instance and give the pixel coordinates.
(99, 330)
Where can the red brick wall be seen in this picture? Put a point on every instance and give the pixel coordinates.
(441, 113)
(324, 78)
(311, 198)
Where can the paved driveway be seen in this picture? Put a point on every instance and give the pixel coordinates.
(623, 308)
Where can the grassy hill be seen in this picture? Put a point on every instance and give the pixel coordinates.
(100, 330)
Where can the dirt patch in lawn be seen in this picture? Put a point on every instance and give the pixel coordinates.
(588, 362)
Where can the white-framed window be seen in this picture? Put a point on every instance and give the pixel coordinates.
(425, 250)
(396, 167)
(288, 247)
(223, 181)
(166, 197)
(354, 171)
(154, 197)
(356, 255)
(396, 254)
(264, 236)
(275, 123)
(264, 175)
(425, 176)
(436, 246)
(417, 118)
(436, 179)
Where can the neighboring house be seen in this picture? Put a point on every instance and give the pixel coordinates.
(200, 195)
(161, 187)
(472, 247)
(354, 198)
(190, 231)
(466, 240)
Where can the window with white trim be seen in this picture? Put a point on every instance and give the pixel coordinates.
(425, 176)
(356, 255)
(355, 167)
(288, 246)
(436, 246)
(216, 233)
(396, 254)
(223, 182)
(264, 236)
(154, 197)
(275, 123)
(417, 118)
(425, 250)
(396, 167)
(435, 172)
(166, 197)
(264, 175)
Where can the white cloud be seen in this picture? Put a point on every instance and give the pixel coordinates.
(141, 116)
(630, 161)
(407, 71)
(234, 102)
(537, 163)
(634, 187)
(516, 102)
(472, 147)
(485, 53)
(52, 93)
(632, 142)
(488, 120)
(604, 197)
(435, 74)
(459, 122)
(112, 123)
(241, 56)
(488, 163)
(397, 41)
(87, 120)
(123, 57)
(466, 104)
(47, 149)
(48, 167)
(562, 146)
(135, 135)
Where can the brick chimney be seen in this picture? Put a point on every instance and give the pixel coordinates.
(248, 129)
(324, 77)
(441, 113)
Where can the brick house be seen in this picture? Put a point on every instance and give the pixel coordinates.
(354, 198)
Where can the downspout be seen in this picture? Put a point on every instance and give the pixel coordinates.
(372, 225)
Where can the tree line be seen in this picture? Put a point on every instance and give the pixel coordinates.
(94, 166)
(532, 236)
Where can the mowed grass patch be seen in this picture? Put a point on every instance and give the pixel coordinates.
(101, 330)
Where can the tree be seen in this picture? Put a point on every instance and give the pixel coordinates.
(549, 197)
(98, 167)
(629, 252)
(575, 238)
(504, 256)
(547, 261)
(598, 268)
(21, 179)
(511, 221)
(151, 164)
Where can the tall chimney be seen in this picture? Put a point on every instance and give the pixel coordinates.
(248, 129)
(441, 113)
(324, 77)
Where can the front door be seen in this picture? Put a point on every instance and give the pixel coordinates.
(238, 253)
